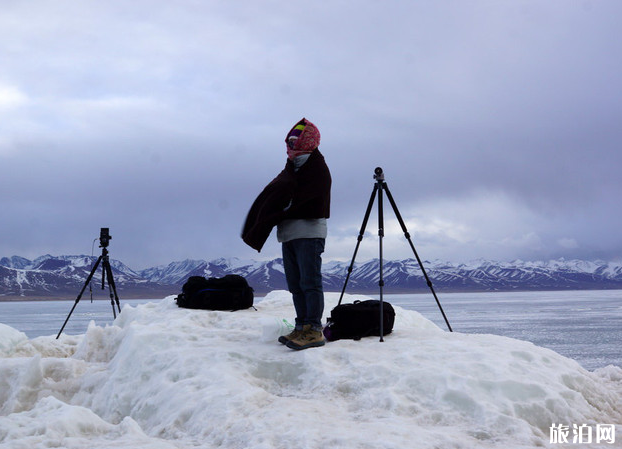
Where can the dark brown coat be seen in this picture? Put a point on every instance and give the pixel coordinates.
(292, 194)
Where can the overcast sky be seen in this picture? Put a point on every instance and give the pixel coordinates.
(497, 124)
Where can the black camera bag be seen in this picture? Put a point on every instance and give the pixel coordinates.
(231, 292)
(358, 320)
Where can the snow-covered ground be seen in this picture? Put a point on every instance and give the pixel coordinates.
(163, 377)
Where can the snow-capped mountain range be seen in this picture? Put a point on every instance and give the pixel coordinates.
(63, 276)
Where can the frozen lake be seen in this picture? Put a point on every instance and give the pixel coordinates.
(583, 325)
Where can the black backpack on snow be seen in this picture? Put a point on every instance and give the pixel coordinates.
(358, 320)
(231, 292)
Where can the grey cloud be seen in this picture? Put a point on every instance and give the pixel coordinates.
(163, 121)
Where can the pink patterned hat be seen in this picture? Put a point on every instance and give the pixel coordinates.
(303, 138)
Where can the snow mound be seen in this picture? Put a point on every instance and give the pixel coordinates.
(9, 339)
(165, 377)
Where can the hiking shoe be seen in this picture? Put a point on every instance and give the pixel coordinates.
(309, 338)
(293, 334)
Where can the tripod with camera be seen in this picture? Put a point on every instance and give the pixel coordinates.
(379, 187)
(104, 240)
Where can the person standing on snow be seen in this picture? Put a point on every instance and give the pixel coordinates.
(297, 202)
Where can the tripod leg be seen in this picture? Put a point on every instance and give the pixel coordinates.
(112, 287)
(407, 235)
(80, 294)
(359, 239)
(380, 237)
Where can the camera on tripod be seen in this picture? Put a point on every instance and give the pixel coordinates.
(378, 174)
(104, 237)
(379, 187)
(104, 259)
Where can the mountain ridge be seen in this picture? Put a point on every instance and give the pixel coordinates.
(63, 276)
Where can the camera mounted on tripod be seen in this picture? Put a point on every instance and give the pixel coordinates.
(104, 259)
(378, 174)
(104, 237)
(379, 187)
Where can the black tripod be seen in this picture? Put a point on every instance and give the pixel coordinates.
(379, 187)
(104, 240)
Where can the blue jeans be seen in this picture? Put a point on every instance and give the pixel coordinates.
(303, 271)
